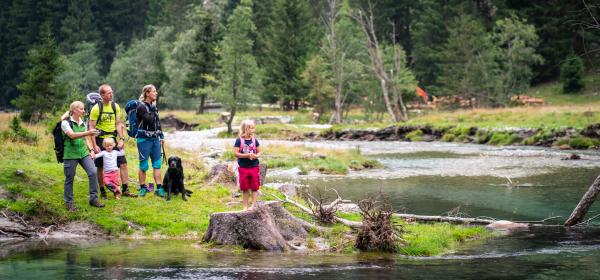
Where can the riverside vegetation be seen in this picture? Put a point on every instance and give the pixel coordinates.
(36, 193)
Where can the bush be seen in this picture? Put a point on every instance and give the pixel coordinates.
(582, 142)
(415, 135)
(571, 74)
(503, 138)
(18, 133)
(448, 137)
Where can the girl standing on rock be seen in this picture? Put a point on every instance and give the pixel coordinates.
(247, 151)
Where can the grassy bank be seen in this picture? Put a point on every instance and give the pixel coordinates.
(37, 193)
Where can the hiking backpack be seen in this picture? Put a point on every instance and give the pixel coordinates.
(59, 140)
(130, 122)
(91, 99)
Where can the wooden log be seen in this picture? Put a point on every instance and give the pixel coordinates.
(584, 204)
(449, 219)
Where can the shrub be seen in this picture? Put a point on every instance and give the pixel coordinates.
(18, 133)
(448, 137)
(503, 138)
(581, 142)
(415, 135)
(571, 74)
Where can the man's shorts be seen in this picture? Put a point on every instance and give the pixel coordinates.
(149, 148)
(249, 178)
(99, 162)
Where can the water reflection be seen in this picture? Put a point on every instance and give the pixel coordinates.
(537, 253)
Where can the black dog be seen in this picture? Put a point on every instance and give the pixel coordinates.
(173, 179)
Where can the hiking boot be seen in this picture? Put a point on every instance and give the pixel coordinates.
(143, 191)
(128, 194)
(71, 207)
(160, 192)
(96, 203)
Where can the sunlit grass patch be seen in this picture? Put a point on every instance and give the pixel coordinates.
(439, 238)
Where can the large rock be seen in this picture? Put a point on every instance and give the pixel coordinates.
(226, 173)
(267, 227)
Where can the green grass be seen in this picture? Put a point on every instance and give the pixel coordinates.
(38, 194)
(440, 238)
(309, 159)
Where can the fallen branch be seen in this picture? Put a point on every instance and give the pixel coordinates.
(310, 212)
(15, 230)
(449, 219)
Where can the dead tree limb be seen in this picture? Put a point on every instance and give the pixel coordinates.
(449, 219)
(584, 204)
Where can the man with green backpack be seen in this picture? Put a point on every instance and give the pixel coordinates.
(106, 117)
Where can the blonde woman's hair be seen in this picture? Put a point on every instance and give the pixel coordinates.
(245, 128)
(72, 107)
(108, 142)
(145, 90)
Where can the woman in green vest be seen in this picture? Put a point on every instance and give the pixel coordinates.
(78, 150)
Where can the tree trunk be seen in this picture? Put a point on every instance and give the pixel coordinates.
(267, 227)
(584, 204)
(229, 121)
(201, 107)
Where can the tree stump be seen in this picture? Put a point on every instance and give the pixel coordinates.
(267, 227)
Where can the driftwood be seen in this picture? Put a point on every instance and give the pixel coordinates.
(584, 204)
(267, 227)
(448, 219)
(309, 211)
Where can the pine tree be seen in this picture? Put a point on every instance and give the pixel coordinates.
(78, 26)
(203, 58)
(23, 31)
(515, 44)
(571, 74)
(290, 39)
(239, 75)
(40, 91)
(467, 64)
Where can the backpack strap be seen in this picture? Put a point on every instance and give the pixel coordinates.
(100, 109)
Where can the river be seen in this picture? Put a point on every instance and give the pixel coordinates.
(419, 178)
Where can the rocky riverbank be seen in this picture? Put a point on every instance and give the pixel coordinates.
(563, 138)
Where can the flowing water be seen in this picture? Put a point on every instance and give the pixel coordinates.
(418, 178)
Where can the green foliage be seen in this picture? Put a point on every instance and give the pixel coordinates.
(41, 92)
(81, 71)
(503, 138)
(415, 135)
(284, 57)
(581, 142)
(436, 239)
(201, 80)
(18, 133)
(77, 29)
(571, 74)
(240, 78)
(515, 44)
(140, 64)
(468, 68)
(316, 78)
